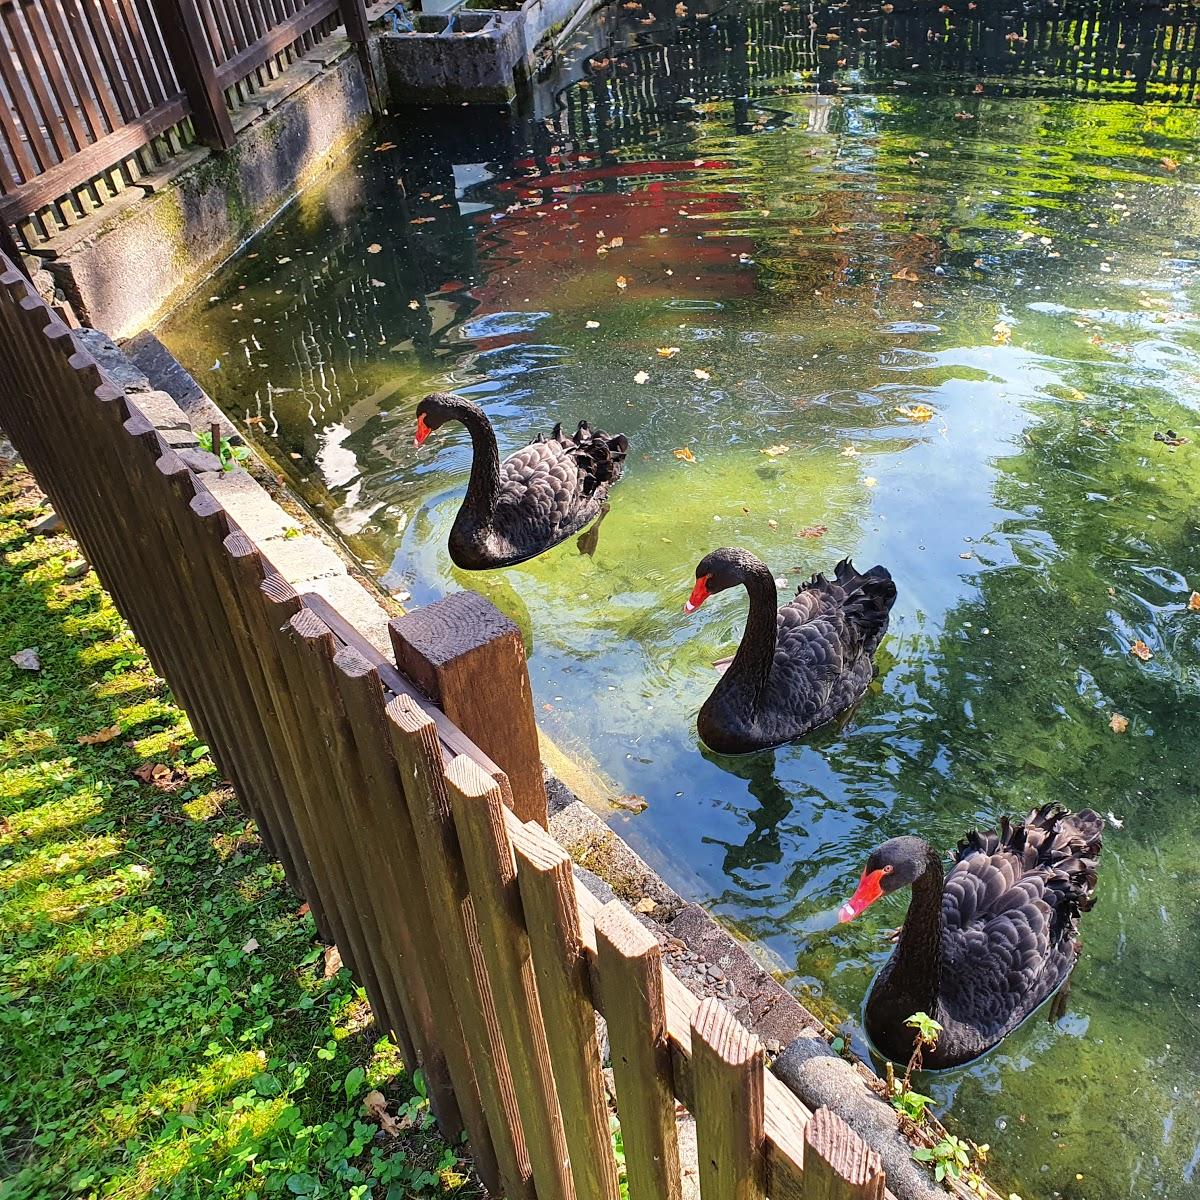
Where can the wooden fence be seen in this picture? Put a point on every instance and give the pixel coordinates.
(98, 94)
(425, 861)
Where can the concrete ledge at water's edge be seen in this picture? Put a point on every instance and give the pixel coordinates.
(124, 267)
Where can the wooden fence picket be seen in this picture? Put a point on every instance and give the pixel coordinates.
(727, 1102)
(552, 921)
(629, 963)
(838, 1164)
(503, 1160)
(487, 855)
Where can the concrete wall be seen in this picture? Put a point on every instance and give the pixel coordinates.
(122, 268)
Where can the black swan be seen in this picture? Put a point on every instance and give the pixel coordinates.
(982, 950)
(798, 666)
(539, 496)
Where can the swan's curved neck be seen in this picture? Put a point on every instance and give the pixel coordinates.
(479, 504)
(916, 976)
(751, 666)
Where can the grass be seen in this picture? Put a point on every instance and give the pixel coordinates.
(168, 1022)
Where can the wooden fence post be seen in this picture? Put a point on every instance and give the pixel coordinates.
(488, 857)
(354, 16)
(468, 658)
(838, 1164)
(728, 1104)
(191, 57)
(631, 985)
(552, 920)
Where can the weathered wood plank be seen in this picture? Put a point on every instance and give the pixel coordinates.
(838, 1164)
(727, 1102)
(630, 973)
(418, 755)
(564, 989)
(487, 855)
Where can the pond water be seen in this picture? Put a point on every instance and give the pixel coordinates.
(841, 237)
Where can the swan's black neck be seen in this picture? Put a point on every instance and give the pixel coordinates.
(479, 504)
(751, 667)
(915, 978)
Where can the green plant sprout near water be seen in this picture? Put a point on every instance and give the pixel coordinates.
(618, 1140)
(904, 1100)
(950, 1157)
(229, 454)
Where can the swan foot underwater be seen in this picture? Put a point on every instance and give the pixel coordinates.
(980, 948)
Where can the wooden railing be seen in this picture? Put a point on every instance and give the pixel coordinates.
(426, 861)
(97, 94)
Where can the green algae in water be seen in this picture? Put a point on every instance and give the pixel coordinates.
(1035, 527)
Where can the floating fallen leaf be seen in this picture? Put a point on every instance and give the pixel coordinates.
(813, 531)
(851, 452)
(385, 146)
(374, 248)
(591, 324)
(840, 229)
(964, 116)
(376, 1105)
(641, 377)
(667, 351)
(645, 904)
(414, 304)
(1194, 602)
(1169, 164)
(775, 451)
(100, 736)
(250, 946)
(966, 554)
(622, 282)
(426, 220)
(1170, 438)
(685, 454)
(870, 481)
(27, 660)
(1139, 649)
(1002, 333)
(700, 373)
(915, 412)
(284, 260)
(333, 961)
(1117, 723)
(772, 524)
(906, 275)
(1117, 823)
(631, 802)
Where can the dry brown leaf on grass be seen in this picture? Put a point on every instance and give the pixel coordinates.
(840, 229)
(684, 454)
(813, 531)
(906, 275)
(160, 776)
(333, 961)
(100, 736)
(250, 946)
(1194, 602)
(376, 1105)
(27, 660)
(1117, 723)
(1139, 649)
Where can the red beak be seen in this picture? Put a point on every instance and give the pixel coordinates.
(698, 596)
(423, 430)
(870, 888)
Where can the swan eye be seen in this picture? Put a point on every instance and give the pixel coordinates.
(888, 869)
